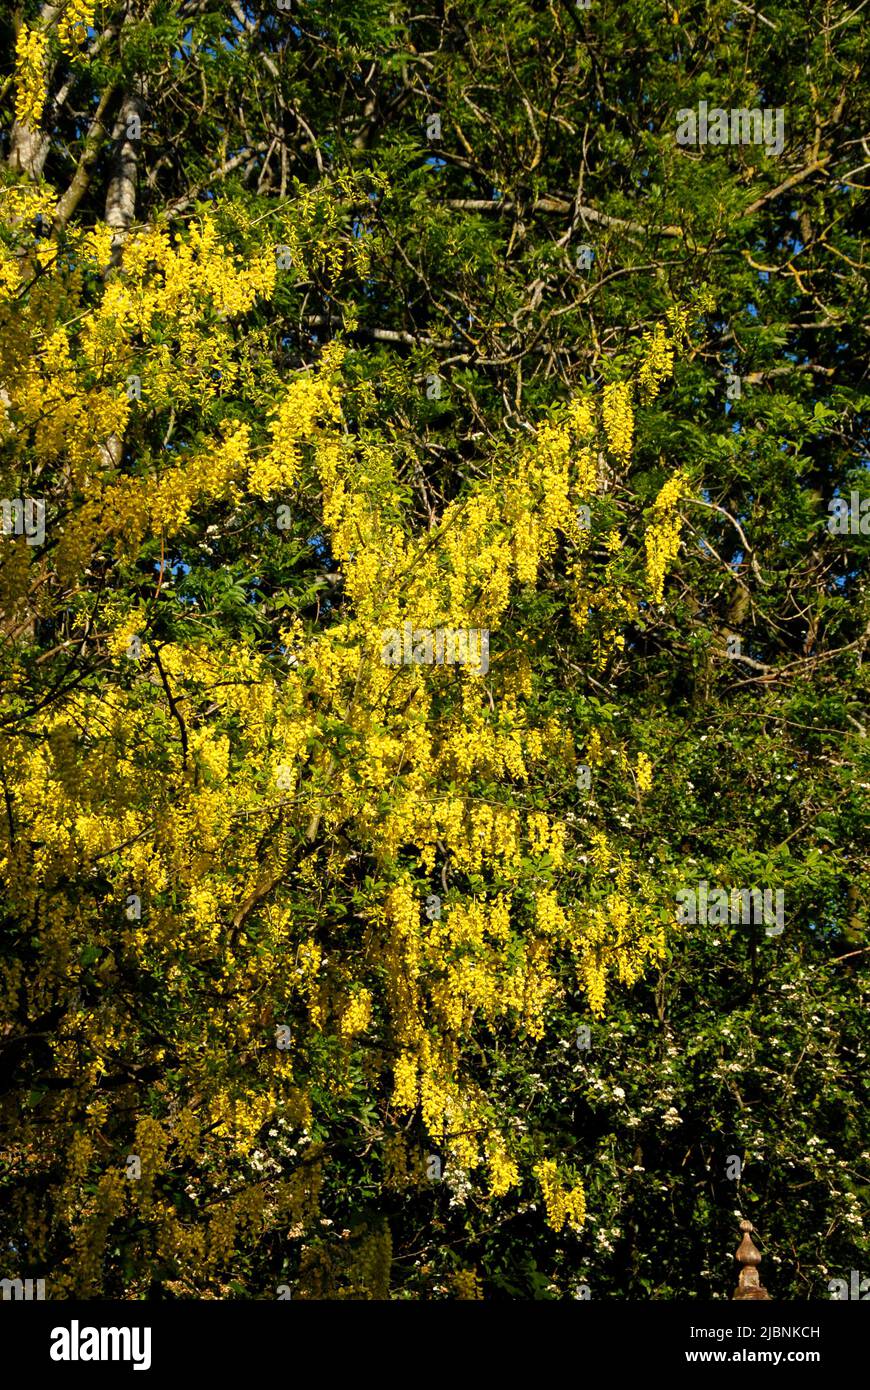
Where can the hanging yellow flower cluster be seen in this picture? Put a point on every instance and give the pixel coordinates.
(565, 1206)
(73, 25)
(618, 419)
(657, 364)
(644, 773)
(662, 537)
(30, 53)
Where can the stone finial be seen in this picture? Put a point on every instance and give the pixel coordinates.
(748, 1285)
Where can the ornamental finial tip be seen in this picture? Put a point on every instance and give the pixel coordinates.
(749, 1256)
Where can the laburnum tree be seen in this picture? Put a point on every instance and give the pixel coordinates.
(349, 975)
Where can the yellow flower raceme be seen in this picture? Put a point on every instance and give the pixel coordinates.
(73, 25)
(658, 362)
(503, 1172)
(405, 1083)
(564, 1206)
(662, 539)
(30, 53)
(644, 773)
(618, 419)
(357, 1015)
(308, 403)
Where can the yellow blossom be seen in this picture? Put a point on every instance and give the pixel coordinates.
(357, 1015)
(618, 419)
(30, 53)
(644, 772)
(73, 25)
(662, 538)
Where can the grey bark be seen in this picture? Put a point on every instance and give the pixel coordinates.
(121, 193)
